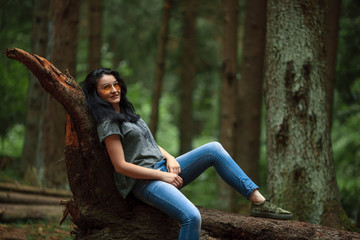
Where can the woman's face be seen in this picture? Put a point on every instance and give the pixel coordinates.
(109, 89)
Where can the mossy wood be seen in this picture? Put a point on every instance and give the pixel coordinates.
(97, 209)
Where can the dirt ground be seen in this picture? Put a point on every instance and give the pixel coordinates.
(35, 230)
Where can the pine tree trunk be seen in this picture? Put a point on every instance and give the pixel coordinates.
(95, 27)
(97, 209)
(188, 69)
(30, 165)
(62, 51)
(226, 195)
(160, 66)
(248, 106)
(331, 42)
(301, 174)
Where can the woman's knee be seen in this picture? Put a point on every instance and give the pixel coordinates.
(214, 146)
(193, 217)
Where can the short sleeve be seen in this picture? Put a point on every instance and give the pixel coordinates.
(108, 128)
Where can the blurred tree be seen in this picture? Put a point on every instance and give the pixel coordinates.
(30, 166)
(226, 195)
(348, 57)
(95, 27)
(62, 51)
(345, 131)
(160, 65)
(331, 43)
(188, 70)
(301, 175)
(249, 94)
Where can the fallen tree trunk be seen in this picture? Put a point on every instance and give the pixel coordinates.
(30, 199)
(16, 212)
(35, 190)
(97, 209)
(234, 226)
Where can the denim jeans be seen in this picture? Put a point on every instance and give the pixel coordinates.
(172, 202)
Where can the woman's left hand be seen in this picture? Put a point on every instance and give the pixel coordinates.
(172, 165)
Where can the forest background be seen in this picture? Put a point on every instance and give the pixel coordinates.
(129, 36)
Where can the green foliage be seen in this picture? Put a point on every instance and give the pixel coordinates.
(346, 147)
(15, 30)
(346, 119)
(12, 142)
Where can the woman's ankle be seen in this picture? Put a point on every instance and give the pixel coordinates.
(256, 197)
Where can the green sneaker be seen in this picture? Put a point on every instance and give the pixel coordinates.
(267, 209)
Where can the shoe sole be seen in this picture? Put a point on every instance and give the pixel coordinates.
(271, 215)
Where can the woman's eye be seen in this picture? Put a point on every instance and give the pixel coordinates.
(116, 86)
(107, 88)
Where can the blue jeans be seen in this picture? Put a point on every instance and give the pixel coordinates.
(172, 202)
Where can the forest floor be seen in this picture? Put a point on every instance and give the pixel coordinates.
(34, 230)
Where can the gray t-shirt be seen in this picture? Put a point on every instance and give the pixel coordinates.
(139, 147)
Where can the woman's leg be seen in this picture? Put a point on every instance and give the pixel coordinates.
(172, 202)
(195, 162)
(198, 160)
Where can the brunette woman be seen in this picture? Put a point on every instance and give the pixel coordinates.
(150, 172)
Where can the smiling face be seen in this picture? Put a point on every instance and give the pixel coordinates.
(110, 90)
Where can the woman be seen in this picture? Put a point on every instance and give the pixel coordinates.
(150, 172)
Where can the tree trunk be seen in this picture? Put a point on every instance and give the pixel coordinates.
(226, 194)
(95, 26)
(62, 51)
(160, 66)
(331, 43)
(188, 68)
(98, 211)
(249, 95)
(30, 165)
(301, 175)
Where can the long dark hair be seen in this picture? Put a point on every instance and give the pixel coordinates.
(101, 109)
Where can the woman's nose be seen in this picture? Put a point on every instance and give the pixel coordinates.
(113, 89)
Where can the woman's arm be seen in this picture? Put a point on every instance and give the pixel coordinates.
(171, 164)
(116, 153)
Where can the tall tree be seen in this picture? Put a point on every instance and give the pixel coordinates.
(331, 43)
(160, 65)
(188, 70)
(62, 50)
(301, 174)
(249, 95)
(29, 164)
(95, 26)
(226, 195)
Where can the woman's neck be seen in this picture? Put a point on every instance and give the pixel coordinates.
(117, 108)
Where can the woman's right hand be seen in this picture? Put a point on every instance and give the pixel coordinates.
(173, 179)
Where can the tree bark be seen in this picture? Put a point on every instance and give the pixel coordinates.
(188, 69)
(226, 194)
(249, 95)
(98, 211)
(160, 66)
(301, 175)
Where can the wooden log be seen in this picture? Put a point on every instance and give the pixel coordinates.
(35, 190)
(222, 225)
(26, 198)
(15, 212)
